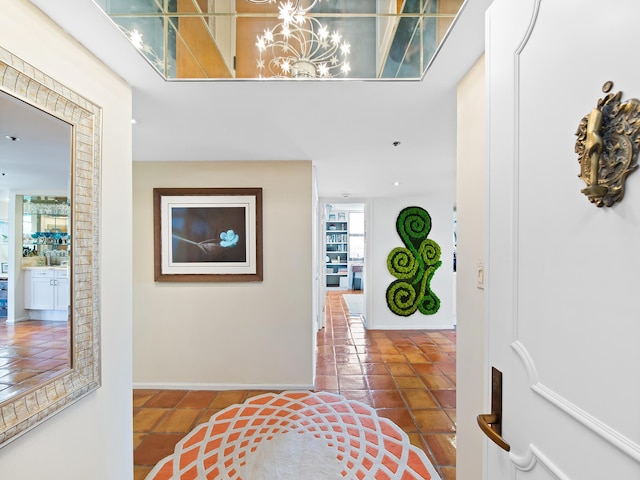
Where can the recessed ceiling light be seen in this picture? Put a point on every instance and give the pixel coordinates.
(12, 138)
(396, 143)
(395, 184)
(133, 121)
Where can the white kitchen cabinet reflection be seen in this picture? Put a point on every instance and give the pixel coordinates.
(47, 293)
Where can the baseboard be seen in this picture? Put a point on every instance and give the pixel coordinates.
(406, 327)
(219, 386)
(18, 320)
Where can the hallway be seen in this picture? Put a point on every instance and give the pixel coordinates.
(407, 376)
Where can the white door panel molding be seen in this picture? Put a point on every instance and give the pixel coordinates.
(540, 104)
(608, 434)
(534, 457)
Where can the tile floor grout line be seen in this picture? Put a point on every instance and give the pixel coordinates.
(344, 341)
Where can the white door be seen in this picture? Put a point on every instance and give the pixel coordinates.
(39, 295)
(562, 277)
(61, 293)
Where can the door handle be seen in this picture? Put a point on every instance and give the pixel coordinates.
(491, 424)
(485, 421)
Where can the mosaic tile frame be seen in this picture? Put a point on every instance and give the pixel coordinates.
(23, 412)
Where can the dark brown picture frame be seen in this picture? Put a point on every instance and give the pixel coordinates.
(207, 234)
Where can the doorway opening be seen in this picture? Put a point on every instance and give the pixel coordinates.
(343, 254)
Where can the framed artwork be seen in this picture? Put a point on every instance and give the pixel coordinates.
(207, 234)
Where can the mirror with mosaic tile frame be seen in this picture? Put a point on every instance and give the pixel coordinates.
(33, 405)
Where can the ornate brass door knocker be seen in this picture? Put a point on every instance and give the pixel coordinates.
(607, 147)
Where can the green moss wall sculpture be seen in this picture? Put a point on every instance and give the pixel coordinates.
(413, 265)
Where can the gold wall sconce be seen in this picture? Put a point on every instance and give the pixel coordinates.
(607, 147)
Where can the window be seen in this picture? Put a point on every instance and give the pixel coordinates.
(356, 236)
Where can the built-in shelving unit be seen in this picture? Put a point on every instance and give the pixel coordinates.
(45, 227)
(336, 251)
(3, 298)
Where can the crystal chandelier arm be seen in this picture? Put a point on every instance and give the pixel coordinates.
(296, 6)
(300, 46)
(286, 49)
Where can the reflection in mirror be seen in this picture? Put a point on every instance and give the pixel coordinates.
(49, 195)
(35, 154)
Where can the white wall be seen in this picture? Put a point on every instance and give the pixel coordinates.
(92, 438)
(4, 215)
(229, 335)
(470, 299)
(382, 238)
(16, 311)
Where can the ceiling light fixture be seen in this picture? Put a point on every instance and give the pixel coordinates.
(301, 47)
(296, 7)
(12, 138)
(396, 184)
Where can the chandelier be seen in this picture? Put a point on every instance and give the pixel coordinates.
(296, 6)
(300, 46)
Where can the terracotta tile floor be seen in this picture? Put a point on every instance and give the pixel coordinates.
(31, 352)
(407, 376)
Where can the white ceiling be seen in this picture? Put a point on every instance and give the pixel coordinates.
(38, 161)
(347, 128)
